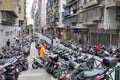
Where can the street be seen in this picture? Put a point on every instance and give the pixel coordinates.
(41, 74)
(34, 74)
(79, 31)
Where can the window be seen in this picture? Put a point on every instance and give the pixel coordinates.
(7, 33)
(118, 13)
(10, 32)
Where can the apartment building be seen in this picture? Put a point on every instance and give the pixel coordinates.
(8, 14)
(70, 17)
(39, 14)
(21, 20)
(35, 14)
(112, 21)
(101, 17)
(55, 16)
(93, 21)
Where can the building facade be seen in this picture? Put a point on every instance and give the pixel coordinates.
(54, 18)
(93, 21)
(101, 17)
(39, 14)
(22, 20)
(8, 14)
(70, 17)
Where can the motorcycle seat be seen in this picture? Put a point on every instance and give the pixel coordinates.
(2, 61)
(93, 73)
(83, 65)
(73, 64)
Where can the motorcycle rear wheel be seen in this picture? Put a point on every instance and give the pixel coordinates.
(26, 66)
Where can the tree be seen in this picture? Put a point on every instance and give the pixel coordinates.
(30, 26)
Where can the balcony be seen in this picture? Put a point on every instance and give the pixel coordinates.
(70, 20)
(10, 5)
(91, 16)
(8, 17)
(90, 3)
(89, 23)
(112, 3)
(70, 3)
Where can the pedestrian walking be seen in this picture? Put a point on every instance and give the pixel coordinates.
(8, 42)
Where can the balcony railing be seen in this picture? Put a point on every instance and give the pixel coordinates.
(91, 16)
(90, 3)
(112, 3)
(116, 0)
(8, 17)
(70, 20)
(71, 3)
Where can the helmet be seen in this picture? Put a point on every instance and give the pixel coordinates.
(45, 46)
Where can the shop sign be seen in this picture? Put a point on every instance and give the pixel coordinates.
(102, 31)
(74, 31)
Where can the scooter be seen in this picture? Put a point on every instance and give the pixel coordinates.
(12, 71)
(52, 66)
(2, 72)
(99, 73)
(37, 62)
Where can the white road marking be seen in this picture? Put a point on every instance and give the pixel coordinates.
(33, 74)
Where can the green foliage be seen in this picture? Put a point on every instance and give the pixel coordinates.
(30, 26)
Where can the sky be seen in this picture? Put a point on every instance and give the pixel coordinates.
(28, 11)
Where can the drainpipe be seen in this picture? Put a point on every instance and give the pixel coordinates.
(98, 39)
(118, 32)
(118, 37)
(110, 39)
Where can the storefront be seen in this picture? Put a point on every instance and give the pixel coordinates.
(104, 37)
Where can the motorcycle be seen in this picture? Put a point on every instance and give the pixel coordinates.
(99, 73)
(52, 66)
(23, 63)
(2, 72)
(38, 62)
(12, 71)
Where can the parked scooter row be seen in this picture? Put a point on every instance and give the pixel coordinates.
(87, 71)
(100, 51)
(58, 57)
(13, 59)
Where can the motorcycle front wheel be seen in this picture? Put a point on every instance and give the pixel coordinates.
(55, 74)
(106, 77)
(34, 66)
